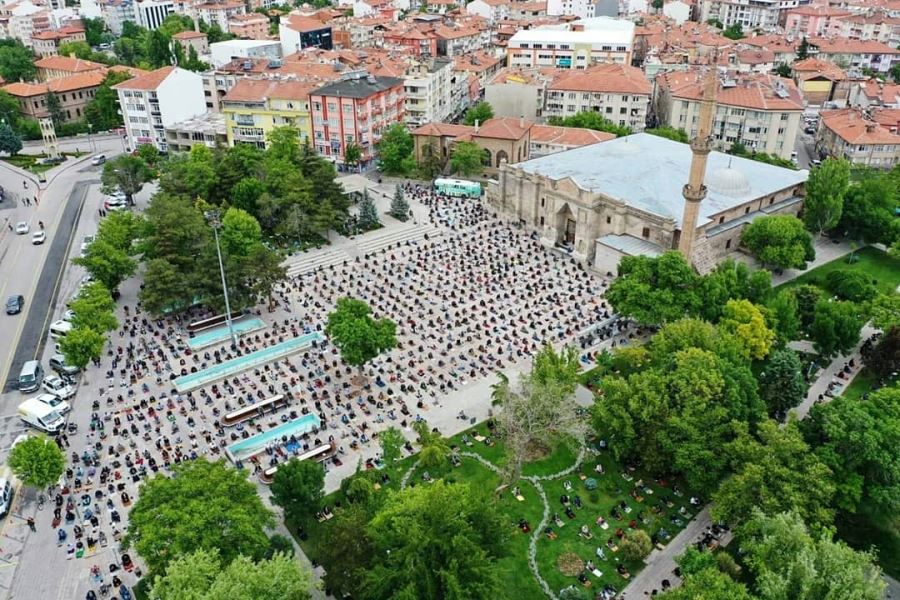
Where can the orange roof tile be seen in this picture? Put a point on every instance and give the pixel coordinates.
(572, 137)
(190, 35)
(255, 90)
(854, 128)
(304, 24)
(609, 77)
(148, 81)
(78, 81)
(813, 67)
(751, 90)
(503, 128)
(67, 63)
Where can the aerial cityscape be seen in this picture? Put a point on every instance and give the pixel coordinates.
(439, 300)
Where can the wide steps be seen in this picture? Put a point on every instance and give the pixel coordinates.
(382, 239)
(311, 261)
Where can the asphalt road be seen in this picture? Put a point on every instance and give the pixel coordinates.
(43, 301)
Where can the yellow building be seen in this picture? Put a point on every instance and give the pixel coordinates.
(254, 107)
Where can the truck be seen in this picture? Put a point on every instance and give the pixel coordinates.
(41, 416)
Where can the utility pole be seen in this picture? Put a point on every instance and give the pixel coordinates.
(214, 218)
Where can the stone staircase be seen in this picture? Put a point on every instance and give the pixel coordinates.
(310, 261)
(378, 240)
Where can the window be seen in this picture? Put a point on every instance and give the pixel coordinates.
(721, 220)
(728, 244)
(747, 210)
(781, 130)
(543, 201)
(784, 117)
(608, 220)
(623, 110)
(542, 221)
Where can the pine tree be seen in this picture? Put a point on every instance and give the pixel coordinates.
(399, 205)
(368, 214)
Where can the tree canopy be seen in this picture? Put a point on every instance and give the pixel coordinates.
(298, 487)
(37, 461)
(395, 151)
(480, 112)
(467, 159)
(590, 120)
(825, 190)
(779, 241)
(835, 327)
(358, 336)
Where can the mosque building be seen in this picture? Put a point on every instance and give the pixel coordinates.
(625, 196)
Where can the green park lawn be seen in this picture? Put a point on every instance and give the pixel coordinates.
(883, 269)
(612, 489)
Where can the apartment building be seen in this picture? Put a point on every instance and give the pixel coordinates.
(763, 112)
(156, 100)
(820, 81)
(25, 20)
(461, 40)
(115, 12)
(207, 129)
(750, 14)
(46, 43)
(859, 54)
(249, 27)
(852, 134)
(297, 32)
(218, 13)
(617, 92)
(813, 20)
(252, 108)
(519, 92)
(151, 13)
(356, 109)
(583, 9)
(73, 93)
(491, 10)
(427, 87)
(583, 44)
(193, 39)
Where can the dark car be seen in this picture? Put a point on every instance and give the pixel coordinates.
(14, 305)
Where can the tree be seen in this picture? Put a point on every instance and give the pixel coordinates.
(788, 562)
(164, 288)
(352, 154)
(246, 192)
(16, 61)
(559, 369)
(10, 141)
(781, 384)
(9, 111)
(742, 319)
(780, 241)
(434, 448)
(654, 290)
(670, 133)
(298, 487)
(79, 49)
(784, 310)
(204, 506)
(240, 232)
(636, 545)
(436, 541)
(265, 268)
(884, 311)
(81, 345)
(858, 440)
(467, 159)
(783, 70)
(803, 50)
(480, 113)
(94, 28)
(391, 442)
(37, 461)
(778, 472)
(107, 264)
(193, 174)
(125, 173)
(54, 107)
(883, 357)
(825, 190)
(368, 214)
(431, 164)
(395, 150)
(358, 336)
(708, 584)
(870, 208)
(590, 120)
(93, 308)
(847, 284)
(835, 327)
(806, 296)
(734, 31)
(399, 206)
(202, 576)
(349, 550)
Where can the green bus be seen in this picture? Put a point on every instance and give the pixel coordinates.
(458, 187)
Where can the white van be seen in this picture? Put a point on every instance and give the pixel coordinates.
(41, 416)
(59, 329)
(7, 491)
(30, 376)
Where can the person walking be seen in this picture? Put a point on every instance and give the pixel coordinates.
(30, 522)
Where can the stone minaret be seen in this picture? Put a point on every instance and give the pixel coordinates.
(695, 191)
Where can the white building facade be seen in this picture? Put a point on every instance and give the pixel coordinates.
(577, 47)
(151, 13)
(428, 91)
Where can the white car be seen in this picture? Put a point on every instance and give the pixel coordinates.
(85, 242)
(38, 237)
(58, 387)
(98, 160)
(54, 402)
(116, 204)
(22, 227)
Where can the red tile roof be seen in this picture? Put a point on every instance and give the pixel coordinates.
(78, 81)
(750, 90)
(608, 77)
(149, 81)
(854, 128)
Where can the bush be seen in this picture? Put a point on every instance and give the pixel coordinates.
(854, 286)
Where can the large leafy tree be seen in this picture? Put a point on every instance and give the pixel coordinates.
(781, 384)
(103, 110)
(204, 506)
(776, 472)
(37, 461)
(358, 336)
(434, 448)
(590, 120)
(884, 310)
(655, 290)
(202, 576)
(480, 113)
(825, 190)
(298, 487)
(708, 584)
(467, 159)
(126, 173)
(784, 311)
(395, 151)
(870, 206)
(788, 562)
(439, 541)
(16, 61)
(192, 174)
(858, 439)
(10, 141)
(779, 241)
(391, 441)
(745, 321)
(81, 345)
(106, 263)
(883, 356)
(94, 308)
(349, 551)
(835, 327)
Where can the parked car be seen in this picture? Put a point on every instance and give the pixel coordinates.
(116, 204)
(57, 404)
(38, 237)
(59, 388)
(85, 242)
(22, 227)
(14, 304)
(58, 364)
(98, 160)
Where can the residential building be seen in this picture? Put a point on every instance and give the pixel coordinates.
(491, 10)
(46, 43)
(528, 10)
(679, 11)
(874, 93)
(193, 39)
(116, 12)
(297, 32)
(820, 81)
(855, 54)
(519, 92)
(763, 112)
(223, 53)
(156, 100)
(617, 92)
(755, 14)
(813, 20)
(410, 37)
(55, 67)
(253, 26)
(427, 88)
(878, 26)
(252, 108)
(25, 19)
(851, 134)
(207, 129)
(151, 13)
(502, 140)
(583, 44)
(461, 40)
(218, 13)
(583, 9)
(356, 109)
(73, 93)
(548, 139)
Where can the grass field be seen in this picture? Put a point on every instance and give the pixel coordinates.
(868, 528)
(883, 269)
(652, 507)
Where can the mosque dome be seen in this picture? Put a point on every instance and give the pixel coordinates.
(728, 182)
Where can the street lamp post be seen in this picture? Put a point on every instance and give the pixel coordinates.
(213, 216)
(90, 138)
